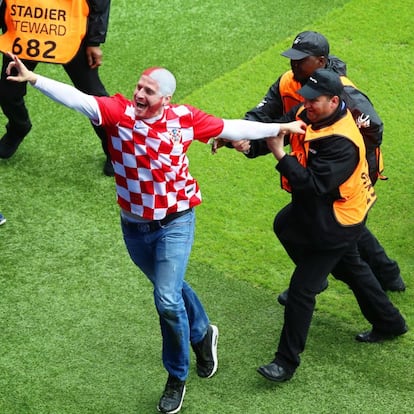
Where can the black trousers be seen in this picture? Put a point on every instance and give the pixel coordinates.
(12, 94)
(385, 269)
(313, 265)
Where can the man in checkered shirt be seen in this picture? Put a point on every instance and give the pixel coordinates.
(149, 138)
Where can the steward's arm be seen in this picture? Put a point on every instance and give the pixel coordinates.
(97, 22)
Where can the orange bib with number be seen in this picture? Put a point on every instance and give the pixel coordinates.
(44, 30)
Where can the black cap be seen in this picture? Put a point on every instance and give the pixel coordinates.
(322, 82)
(307, 44)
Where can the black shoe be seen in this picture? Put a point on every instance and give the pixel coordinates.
(397, 285)
(375, 336)
(172, 397)
(108, 168)
(206, 353)
(9, 145)
(283, 297)
(274, 372)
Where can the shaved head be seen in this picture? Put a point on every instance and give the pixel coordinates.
(164, 78)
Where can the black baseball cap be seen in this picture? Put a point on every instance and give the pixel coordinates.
(308, 44)
(322, 82)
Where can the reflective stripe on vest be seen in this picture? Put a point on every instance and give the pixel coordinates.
(44, 30)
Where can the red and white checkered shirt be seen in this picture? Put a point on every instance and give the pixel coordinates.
(150, 161)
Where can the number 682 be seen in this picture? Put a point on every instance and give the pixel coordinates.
(34, 48)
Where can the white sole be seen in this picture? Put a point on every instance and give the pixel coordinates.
(215, 341)
(177, 409)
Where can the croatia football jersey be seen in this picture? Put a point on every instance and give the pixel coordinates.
(150, 162)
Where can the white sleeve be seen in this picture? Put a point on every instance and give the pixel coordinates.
(69, 96)
(238, 129)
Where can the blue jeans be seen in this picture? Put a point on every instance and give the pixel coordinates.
(163, 257)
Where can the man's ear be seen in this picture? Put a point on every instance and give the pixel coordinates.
(335, 100)
(322, 61)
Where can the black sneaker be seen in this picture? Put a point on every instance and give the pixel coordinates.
(397, 285)
(11, 140)
(108, 168)
(9, 145)
(172, 397)
(206, 353)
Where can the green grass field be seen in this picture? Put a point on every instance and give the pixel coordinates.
(78, 330)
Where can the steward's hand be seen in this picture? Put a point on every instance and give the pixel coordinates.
(217, 143)
(94, 56)
(276, 145)
(295, 127)
(242, 146)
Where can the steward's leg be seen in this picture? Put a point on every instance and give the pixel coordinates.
(373, 301)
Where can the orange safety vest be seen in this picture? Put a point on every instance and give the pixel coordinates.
(288, 87)
(357, 193)
(44, 30)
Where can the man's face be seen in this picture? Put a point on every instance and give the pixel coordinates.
(148, 102)
(320, 108)
(303, 68)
